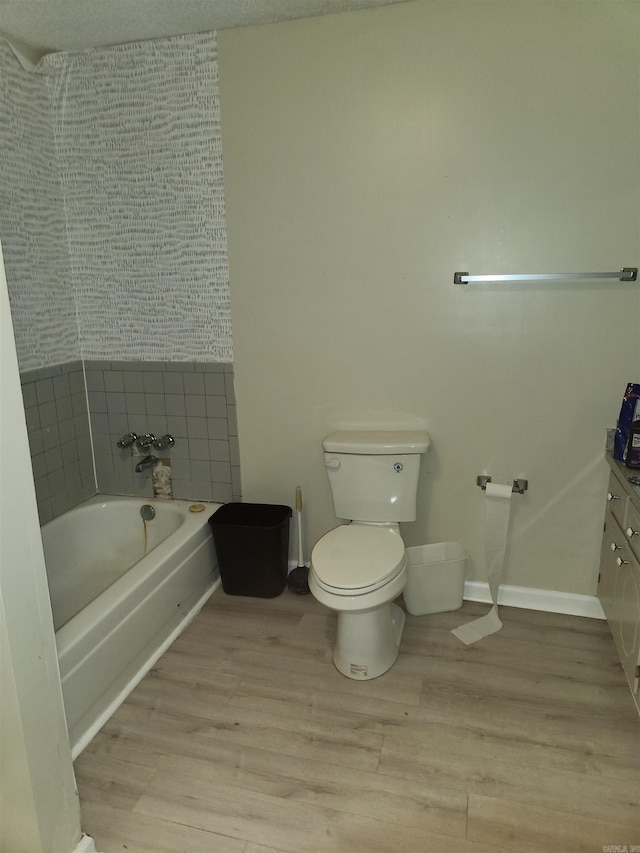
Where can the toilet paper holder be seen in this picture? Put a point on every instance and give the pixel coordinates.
(520, 485)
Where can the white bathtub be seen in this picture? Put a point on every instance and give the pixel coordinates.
(118, 604)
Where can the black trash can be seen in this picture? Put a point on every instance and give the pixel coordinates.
(252, 544)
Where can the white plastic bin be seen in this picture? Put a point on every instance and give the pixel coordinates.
(435, 578)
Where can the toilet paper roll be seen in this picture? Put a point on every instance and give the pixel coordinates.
(497, 512)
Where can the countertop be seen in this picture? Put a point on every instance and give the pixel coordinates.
(623, 474)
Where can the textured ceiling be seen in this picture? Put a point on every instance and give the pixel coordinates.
(36, 28)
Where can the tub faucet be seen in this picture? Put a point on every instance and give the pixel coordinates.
(127, 440)
(146, 462)
(146, 440)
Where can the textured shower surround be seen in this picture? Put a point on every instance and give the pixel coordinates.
(114, 236)
(112, 204)
(138, 141)
(32, 222)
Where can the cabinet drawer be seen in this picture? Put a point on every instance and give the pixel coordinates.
(632, 530)
(617, 500)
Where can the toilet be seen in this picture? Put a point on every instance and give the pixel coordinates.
(359, 568)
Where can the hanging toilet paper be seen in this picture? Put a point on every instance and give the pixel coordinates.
(497, 509)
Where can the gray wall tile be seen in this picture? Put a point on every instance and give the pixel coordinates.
(61, 449)
(197, 421)
(195, 406)
(214, 384)
(193, 383)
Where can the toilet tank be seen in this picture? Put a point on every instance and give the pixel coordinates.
(374, 474)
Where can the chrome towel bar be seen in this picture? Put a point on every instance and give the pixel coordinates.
(625, 274)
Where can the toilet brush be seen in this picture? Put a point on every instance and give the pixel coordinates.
(298, 577)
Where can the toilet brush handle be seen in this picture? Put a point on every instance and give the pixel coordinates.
(299, 519)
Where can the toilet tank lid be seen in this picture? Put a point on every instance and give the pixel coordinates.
(377, 441)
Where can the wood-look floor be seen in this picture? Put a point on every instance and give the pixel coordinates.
(245, 739)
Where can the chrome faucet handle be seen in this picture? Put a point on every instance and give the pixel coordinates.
(146, 440)
(127, 440)
(164, 442)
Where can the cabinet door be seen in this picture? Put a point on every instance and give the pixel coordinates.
(629, 608)
(626, 623)
(613, 542)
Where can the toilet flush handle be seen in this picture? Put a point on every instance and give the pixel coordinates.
(332, 463)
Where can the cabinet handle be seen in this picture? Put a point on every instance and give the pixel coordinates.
(615, 547)
(612, 497)
(622, 562)
(631, 532)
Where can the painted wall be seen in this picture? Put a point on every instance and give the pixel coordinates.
(367, 157)
(40, 810)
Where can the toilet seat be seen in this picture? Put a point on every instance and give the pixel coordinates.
(355, 559)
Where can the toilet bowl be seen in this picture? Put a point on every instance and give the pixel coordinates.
(358, 570)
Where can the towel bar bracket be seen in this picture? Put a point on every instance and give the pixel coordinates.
(520, 485)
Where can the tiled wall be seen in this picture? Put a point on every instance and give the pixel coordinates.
(58, 426)
(192, 401)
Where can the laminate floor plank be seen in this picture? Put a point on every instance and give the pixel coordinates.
(258, 848)
(319, 783)
(589, 666)
(526, 734)
(244, 738)
(606, 748)
(153, 716)
(520, 683)
(117, 831)
(117, 782)
(468, 764)
(296, 780)
(290, 826)
(332, 706)
(249, 660)
(506, 824)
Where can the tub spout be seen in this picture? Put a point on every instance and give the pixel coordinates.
(146, 463)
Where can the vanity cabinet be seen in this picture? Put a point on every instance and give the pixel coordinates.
(619, 578)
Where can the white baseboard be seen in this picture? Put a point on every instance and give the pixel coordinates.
(549, 600)
(85, 845)
(529, 598)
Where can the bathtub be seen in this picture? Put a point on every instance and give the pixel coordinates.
(121, 591)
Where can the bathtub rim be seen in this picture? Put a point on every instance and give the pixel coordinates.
(192, 537)
(88, 517)
(137, 573)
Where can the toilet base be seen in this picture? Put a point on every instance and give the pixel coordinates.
(368, 642)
